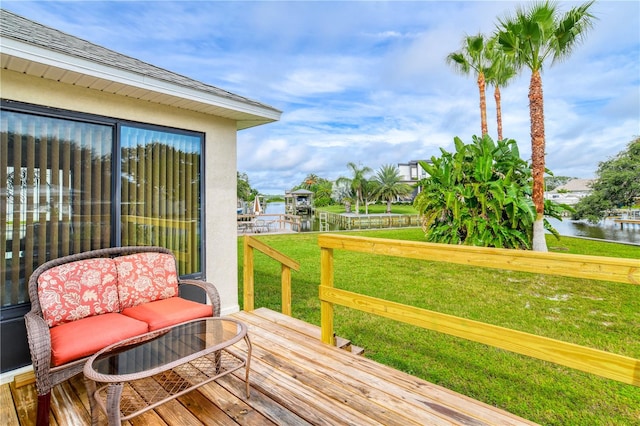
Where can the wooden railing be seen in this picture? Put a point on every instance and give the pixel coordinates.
(618, 367)
(251, 223)
(287, 263)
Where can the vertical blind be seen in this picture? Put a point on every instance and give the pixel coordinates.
(55, 194)
(160, 173)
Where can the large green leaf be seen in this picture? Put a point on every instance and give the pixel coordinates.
(480, 195)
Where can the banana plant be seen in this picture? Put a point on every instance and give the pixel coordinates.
(479, 195)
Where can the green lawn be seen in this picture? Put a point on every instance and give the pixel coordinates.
(590, 313)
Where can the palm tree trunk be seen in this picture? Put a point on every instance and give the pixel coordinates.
(536, 112)
(483, 103)
(496, 96)
(389, 206)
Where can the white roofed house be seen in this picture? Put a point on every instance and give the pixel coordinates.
(571, 192)
(100, 149)
(412, 173)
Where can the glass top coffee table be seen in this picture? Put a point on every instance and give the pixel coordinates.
(138, 374)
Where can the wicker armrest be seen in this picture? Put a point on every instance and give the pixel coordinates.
(39, 339)
(210, 289)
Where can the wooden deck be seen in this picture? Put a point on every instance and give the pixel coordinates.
(295, 380)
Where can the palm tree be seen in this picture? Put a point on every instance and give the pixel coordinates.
(369, 188)
(499, 74)
(389, 185)
(356, 182)
(309, 181)
(322, 192)
(471, 57)
(531, 37)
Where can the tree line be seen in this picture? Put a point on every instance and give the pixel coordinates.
(362, 186)
(616, 186)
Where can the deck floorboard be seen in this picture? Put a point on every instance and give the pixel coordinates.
(295, 380)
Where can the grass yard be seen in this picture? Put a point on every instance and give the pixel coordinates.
(590, 313)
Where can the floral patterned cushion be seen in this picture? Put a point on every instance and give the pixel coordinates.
(77, 290)
(146, 277)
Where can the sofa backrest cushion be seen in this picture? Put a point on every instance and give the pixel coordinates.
(146, 277)
(77, 290)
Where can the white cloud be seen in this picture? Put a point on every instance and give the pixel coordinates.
(367, 81)
(315, 81)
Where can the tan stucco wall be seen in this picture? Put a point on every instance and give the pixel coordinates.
(220, 235)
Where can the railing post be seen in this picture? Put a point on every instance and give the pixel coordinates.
(247, 268)
(326, 308)
(251, 244)
(286, 290)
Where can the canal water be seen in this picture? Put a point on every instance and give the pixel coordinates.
(605, 230)
(275, 208)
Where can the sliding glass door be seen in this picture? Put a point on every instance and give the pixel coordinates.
(160, 174)
(55, 194)
(71, 182)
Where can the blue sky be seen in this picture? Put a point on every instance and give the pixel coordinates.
(366, 82)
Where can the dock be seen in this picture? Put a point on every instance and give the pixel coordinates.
(628, 222)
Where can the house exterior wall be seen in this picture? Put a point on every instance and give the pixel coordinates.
(411, 173)
(219, 236)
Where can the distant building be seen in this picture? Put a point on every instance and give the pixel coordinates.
(571, 192)
(412, 173)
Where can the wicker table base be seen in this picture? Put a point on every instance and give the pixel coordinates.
(122, 397)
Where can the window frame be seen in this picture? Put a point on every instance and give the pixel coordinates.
(117, 158)
(13, 311)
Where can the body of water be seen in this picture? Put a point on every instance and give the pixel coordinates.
(605, 230)
(275, 208)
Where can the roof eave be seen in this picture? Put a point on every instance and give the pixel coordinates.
(246, 113)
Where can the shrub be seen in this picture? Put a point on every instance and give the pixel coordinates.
(479, 195)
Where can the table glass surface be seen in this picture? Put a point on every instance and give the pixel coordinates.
(162, 347)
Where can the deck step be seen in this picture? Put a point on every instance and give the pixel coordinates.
(305, 328)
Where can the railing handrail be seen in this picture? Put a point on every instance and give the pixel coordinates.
(287, 263)
(265, 220)
(564, 264)
(618, 367)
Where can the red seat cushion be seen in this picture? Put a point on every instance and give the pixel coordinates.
(167, 312)
(84, 337)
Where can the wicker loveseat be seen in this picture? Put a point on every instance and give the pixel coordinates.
(84, 302)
